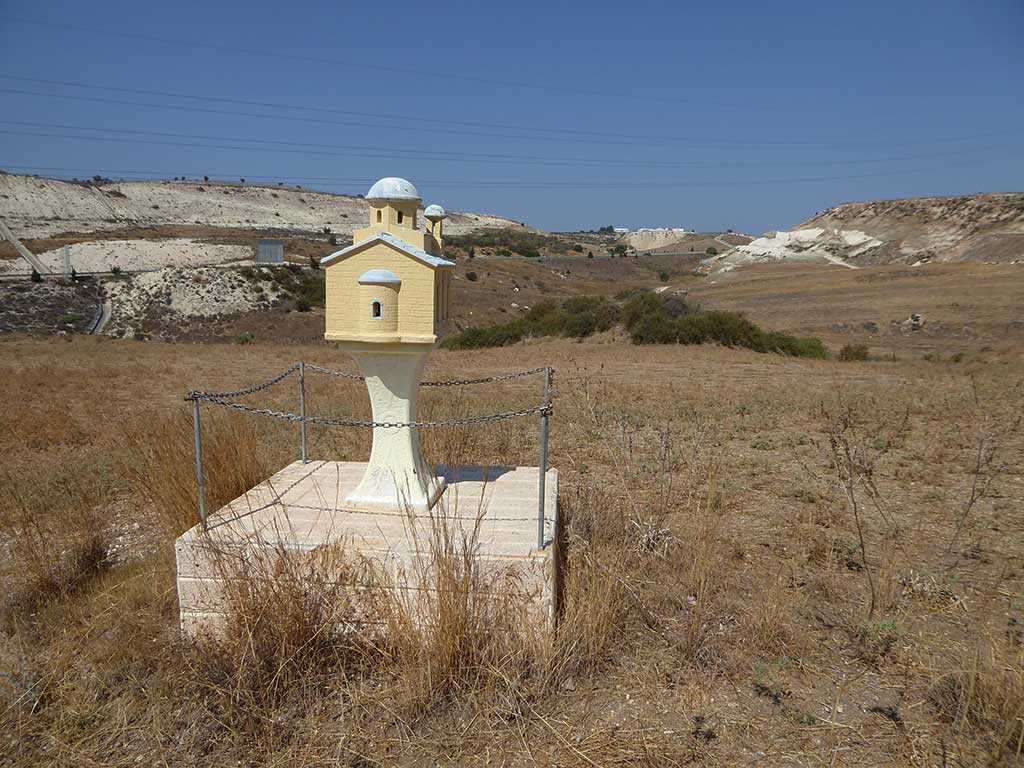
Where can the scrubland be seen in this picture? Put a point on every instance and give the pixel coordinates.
(770, 561)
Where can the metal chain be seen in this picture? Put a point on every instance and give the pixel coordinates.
(542, 409)
(199, 395)
(329, 372)
(452, 383)
(485, 380)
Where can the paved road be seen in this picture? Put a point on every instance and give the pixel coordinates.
(106, 309)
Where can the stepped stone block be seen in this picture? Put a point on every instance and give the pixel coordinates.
(301, 510)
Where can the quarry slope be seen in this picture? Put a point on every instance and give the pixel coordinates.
(983, 227)
(39, 207)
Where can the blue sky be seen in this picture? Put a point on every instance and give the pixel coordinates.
(744, 115)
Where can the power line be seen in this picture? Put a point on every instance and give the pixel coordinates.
(650, 140)
(432, 75)
(306, 148)
(177, 108)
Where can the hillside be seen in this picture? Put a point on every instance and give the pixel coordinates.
(984, 227)
(38, 208)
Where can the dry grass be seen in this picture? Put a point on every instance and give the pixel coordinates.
(716, 605)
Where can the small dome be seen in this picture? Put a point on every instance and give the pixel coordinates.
(379, 277)
(393, 188)
(435, 212)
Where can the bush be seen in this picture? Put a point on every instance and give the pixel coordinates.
(711, 251)
(652, 320)
(590, 254)
(489, 336)
(471, 276)
(314, 262)
(578, 248)
(303, 306)
(853, 352)
(647, 317)
(663, 276)
(115, 270)
(36, 277)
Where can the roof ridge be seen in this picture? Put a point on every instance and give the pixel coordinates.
(395, 241)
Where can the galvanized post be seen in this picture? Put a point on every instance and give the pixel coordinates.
(199, 461)
(302, 408)
(543, 456)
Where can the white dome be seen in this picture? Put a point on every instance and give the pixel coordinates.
(393, 188)
(434, 212)
(379, 277)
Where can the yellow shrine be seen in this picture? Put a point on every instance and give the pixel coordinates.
(392, 284)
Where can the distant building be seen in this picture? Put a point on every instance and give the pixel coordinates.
(270, 252)
(620, 230)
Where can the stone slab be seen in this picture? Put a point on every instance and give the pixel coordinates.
(302, 507)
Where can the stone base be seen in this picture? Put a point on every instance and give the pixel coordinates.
(302, 509)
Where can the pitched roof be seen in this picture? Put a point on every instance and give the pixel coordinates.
(394, 242)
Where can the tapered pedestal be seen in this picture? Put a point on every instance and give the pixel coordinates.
(396, 477)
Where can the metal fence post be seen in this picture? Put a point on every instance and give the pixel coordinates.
(302, 408)
(543, 456)
(199, 461)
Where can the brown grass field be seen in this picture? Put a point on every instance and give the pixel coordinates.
(770, 561)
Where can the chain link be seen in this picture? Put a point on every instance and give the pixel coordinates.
(485, 380)
(329, 372)
(223, 399)
(212, 396)
(540, 409)
(452, 383)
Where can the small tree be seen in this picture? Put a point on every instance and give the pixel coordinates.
(472, 253)
(74, 275)
(36, 277)
(206, 178)
(590, 254)
(314, 262)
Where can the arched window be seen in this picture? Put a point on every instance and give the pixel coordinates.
(399, 217)
(380, 216)
(375, 310)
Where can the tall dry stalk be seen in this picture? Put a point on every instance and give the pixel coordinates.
(161, 465)
(854, 454)
(989, 432)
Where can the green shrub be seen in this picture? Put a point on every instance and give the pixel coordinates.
(647, 317)
(663, 276)
(711, 251)
(852, 352)
(471, 276)
(505, 241)
(36, 277)
(489, 336)
(577, 248)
